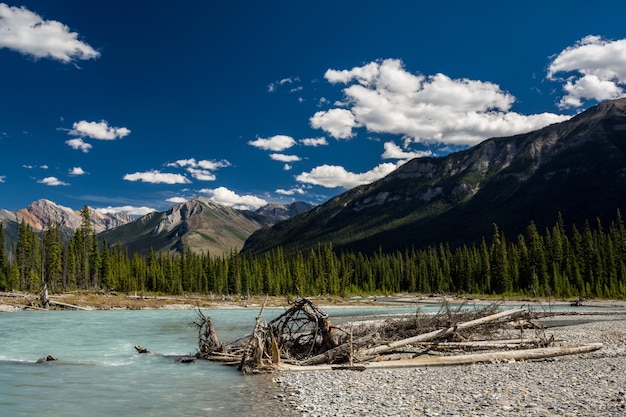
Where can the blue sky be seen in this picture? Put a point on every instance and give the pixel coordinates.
(137, 105)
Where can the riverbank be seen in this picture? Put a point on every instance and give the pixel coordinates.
(11, 301)
(592, 384)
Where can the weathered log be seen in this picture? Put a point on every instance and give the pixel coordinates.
(60, 304)
(254, 347)
(340, 352)
(364, 354)
(485, 344)
(526, 354)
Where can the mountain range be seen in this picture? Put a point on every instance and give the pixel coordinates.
(575, 169)
(199, 224)
(43, 213)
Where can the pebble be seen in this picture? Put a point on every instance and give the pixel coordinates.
(592, 384)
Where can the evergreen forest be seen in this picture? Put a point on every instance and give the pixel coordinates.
(584, 261)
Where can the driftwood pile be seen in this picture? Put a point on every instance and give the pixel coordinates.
(303, 338)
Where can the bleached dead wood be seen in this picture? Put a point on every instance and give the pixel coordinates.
(60, 304)
(253, 351)
(526, 354)
(341, 351)
(487, 344)
(363, 354)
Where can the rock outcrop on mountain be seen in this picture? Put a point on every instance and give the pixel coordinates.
(576, 169)
(43, 213)
(199, 225)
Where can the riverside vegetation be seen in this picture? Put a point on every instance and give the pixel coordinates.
(588, 260)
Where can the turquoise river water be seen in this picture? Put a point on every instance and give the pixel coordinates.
(99, 373)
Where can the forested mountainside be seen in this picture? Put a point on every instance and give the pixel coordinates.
(575, 169)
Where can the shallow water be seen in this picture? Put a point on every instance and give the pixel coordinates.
(99, 373)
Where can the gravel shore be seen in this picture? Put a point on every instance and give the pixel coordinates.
(592, 384)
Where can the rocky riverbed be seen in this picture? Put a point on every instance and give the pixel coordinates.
(592, 384)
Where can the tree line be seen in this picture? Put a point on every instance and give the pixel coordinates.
(585, 261)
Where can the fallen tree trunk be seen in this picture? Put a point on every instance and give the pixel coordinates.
(339, 352)
(526, 354)
(60, 304)
(486, 344)
(365, 354)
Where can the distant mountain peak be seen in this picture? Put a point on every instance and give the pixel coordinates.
(43, 213)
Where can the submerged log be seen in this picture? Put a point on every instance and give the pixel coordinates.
(141, 349)
(526, 354)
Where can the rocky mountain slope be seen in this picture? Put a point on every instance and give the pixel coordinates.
(200, 225)
(43, 213)
(576, 168)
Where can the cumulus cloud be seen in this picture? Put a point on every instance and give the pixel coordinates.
(333, 176)
(98, 130)
(592, 69)
(200, 170)
(226, 197)
(291, 191)
(314, 141)
(337, 122)
(285, 158)
(385, 98)
(176, 200)
(79, 144)
(76, 171)
(277, 143)
(52, 181)
(3, 178)
(27, 33)
(201, 174)
(393, 151)
(157, 177)
(130, 210)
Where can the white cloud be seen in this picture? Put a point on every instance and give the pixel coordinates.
(157, 177)
(3, 178)
(78, 143)
(27, 33)
(176, 200)
(272, 87)
(291, 191)
(393, 151)
(276, 143)
(201, 174)
(314, 141)
(52, 181)
(130, 210)
(76, 171)
(332, 176)
(98, 130)
(44, 166)
(200, 170)
(204, 164)
(595, 69)
(337, 122)
(213, 165)
(285, 158)
(384, 98)
(226, 197)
